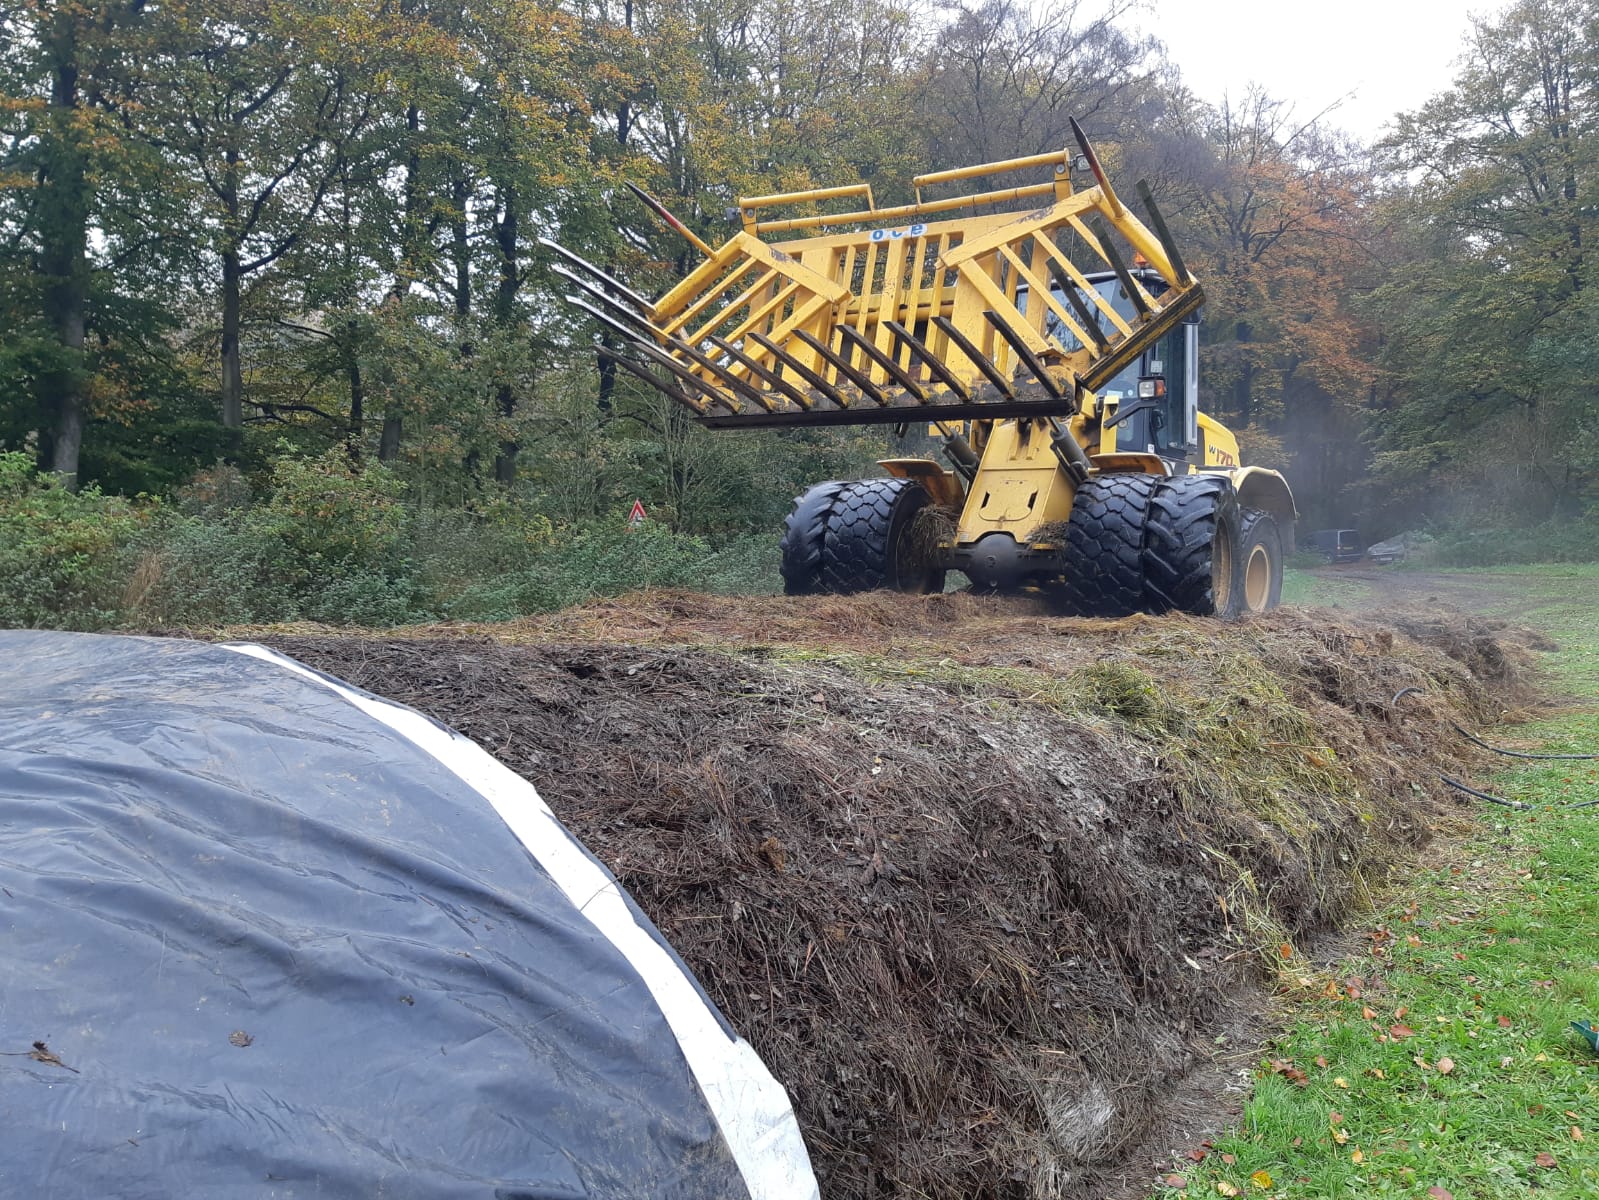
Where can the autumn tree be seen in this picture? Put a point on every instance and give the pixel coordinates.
(244, 99)
(1272, 211)
(66, 78)
(1490, 323)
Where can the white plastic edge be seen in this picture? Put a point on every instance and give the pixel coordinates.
(750, 1106)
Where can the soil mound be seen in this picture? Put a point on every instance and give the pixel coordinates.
(979, 885)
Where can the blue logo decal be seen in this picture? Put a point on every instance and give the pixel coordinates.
(916, 230)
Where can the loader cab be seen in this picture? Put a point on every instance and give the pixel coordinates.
(1169, 428)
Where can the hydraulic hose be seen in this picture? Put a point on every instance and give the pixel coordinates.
(1488, 796)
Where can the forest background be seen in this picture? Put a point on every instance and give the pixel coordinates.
(277, 339)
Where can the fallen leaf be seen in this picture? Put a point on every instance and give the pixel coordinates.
(1261, 1179)
(1377, 1071)
(1400, 1032)
(1335, 1118)
(1197, 1155)
(1504, 1022)
(1576, 1134)
(1438, 1193)
(1225, 1188)
(1445, 1065)
(772, 850)
(1545, 1160)
(1506, 1061)
(1177, 1181)
(1321, 1061)
(42, 1053)
(1353, 990)
(1285, 950)
(1413, 940)
(1340, 1136)
(1368, 1013)
(1357, 1155)
(1229, 1159)
(1285, 1067)
(1341, 1082)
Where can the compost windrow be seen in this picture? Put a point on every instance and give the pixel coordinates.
(981, 886)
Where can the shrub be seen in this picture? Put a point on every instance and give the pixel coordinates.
(211, 571)
(745, 566)
(65, 558)
(1552, 541)
(453, 550)
(328, 545)
(569, 564)
(328, 520)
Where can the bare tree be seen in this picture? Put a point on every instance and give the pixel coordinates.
(1005, 76)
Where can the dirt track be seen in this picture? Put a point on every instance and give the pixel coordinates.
(981, 885)
(1479, 592)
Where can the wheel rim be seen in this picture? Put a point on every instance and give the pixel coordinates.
(1257, 579)
(1221, 570)
(910, 565)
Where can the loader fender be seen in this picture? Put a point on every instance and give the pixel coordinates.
(1267, 491)
(944, 486)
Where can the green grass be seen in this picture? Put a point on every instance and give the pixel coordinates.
(1324, 589)
(1439, 1054)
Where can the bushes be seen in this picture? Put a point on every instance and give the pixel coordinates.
(329, 543)
(65, 559)
(567, 565)
(1552, 541)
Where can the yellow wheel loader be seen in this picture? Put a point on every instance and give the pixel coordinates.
(1044, 332)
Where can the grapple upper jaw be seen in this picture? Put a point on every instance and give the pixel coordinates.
(897, 317)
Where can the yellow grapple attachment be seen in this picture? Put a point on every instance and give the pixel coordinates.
(901, 317)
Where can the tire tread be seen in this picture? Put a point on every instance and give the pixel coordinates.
(855, 551)
(1104, 546)
(1186, 514)
(804, 531)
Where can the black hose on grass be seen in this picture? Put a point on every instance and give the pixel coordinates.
(1519, 805)
(1471, 791)
(1516, 753)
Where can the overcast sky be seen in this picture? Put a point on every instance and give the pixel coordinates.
(1392, 54)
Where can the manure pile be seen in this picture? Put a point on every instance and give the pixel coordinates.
(981, 886)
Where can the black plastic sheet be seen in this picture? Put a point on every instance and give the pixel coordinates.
(256, 941)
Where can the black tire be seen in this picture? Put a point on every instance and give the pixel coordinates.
(1104, 546)
(1191, 559)
(866, 544)
(1260, 555)
(803, 533)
